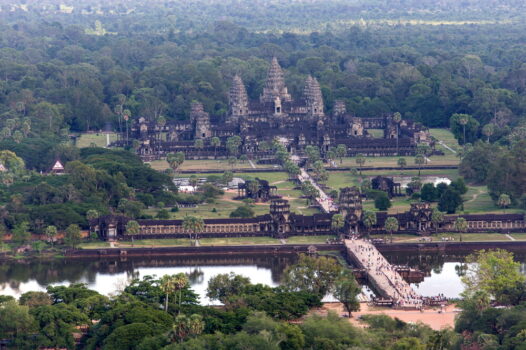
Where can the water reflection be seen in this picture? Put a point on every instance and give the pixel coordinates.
(443, 271)
(110, 275)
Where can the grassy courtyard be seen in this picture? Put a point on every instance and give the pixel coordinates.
(97, 139)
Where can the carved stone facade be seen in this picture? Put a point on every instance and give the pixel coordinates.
(298, 123)
(282, 223)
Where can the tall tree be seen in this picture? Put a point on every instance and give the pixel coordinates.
(369, 220)
(346, 291)
(193, 225)
(312, 274)
(360, 160)
(337, 222)
(215, 142)
(341, 151)
(397, 118)
(504, 201)
(391, 224)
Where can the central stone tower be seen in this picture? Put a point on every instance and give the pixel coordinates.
(275, 85)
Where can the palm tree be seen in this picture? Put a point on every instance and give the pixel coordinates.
(337, 222)
(175, 160)
(51, 232)
(504, 201)
(437, 217)
(215, 142)
(488, 130)
(161, 122)
(180, 281)
(397, 118)
(391, 224)
(126, 117)
(199, 144)
(92, 214)
(133, 228)
(461, 225)
(360, 160)
(167, 285)
(369, 220)
(419, 160)
(193, 225)
(463, 120)
(341, 151)
(402, 163)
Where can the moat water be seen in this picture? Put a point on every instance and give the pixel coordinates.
(109, 276)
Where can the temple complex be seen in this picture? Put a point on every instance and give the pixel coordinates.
(280, 222)
(297, 123)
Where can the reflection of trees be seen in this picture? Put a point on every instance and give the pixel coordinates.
(196, 276)
(461, 269)
(75, 270)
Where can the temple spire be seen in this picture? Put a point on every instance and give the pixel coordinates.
(313, 96)
(275, 84)
(237, 99)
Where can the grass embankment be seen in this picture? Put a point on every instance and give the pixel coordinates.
(452, 237)
(209, 164)
(183, 242)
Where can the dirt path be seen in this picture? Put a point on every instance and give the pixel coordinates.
(475, 196)
(431, 317)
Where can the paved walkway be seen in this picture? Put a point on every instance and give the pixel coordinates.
(382, 274)
(446, 146)
(252, 164)
(325, 202)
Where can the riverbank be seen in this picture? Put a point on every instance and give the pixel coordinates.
(277, 248)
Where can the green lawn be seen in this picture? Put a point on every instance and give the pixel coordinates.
(447, 159)
(238, 241)
(99, 139)
(340, 179)
(519, 236)
(94, 245)
(447, 137)
(477, 200)
(309, 239)
(466, 237)
(219, 164)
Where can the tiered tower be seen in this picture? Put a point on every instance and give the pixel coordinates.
(280, 212)
(202, 121)
(275, 85)
(350, 205)
(237, 100)
(339, 108)
(313, 97)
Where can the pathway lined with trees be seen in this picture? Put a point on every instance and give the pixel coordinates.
(325, 201)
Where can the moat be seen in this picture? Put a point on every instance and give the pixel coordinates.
(110, 275)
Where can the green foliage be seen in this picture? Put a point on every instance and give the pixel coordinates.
(449, 201)
(346, 291)
(72, 236)
(315, 275)
(382, 202)
(223, 286)
(496, 273)
(243, 211)
(21, 233)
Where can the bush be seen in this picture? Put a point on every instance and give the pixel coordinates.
(174, 209)
(242, 212)
(382, 202)
(163, 214)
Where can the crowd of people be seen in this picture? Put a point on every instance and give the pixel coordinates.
(385, 275)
